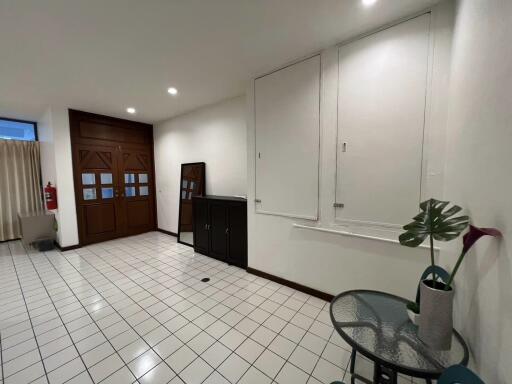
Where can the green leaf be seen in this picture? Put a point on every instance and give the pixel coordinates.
(435, 221)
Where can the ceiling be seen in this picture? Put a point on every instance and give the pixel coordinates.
(104, 56)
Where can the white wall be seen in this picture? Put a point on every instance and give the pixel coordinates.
(47, 144)
(478, 162)
(57, 167)
(214, 134)
(331, 262)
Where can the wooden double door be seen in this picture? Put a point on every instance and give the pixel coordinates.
(113, 175)
(220, 228)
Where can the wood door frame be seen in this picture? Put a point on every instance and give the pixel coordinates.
(202, 193)
(75, 117)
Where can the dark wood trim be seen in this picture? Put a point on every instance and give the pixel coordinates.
(108, 119)
(69, 248)
(291, 284)
(167, 232)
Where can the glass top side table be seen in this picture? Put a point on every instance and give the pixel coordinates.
(376, 325)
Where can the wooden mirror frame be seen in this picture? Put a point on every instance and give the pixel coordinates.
(201, 192)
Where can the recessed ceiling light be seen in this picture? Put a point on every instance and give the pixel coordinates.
(368, 3)
(131, 110)
(172, 91)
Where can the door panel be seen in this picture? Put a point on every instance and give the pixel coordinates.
(200, 223)
(96, 183)
(99, 219)
(137, 195)
(113, 175)
(136, 213)
(237, 235)
(218, 227)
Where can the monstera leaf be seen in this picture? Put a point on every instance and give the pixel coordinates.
(435, 222)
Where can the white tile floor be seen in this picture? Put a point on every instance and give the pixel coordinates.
(135, 310)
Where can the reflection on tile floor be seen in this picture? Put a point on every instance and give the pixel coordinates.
(135, 310)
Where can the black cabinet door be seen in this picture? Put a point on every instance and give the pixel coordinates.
(218, 229)
(237, 234)
(201, 222)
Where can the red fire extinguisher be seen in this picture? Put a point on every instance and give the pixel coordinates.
(50, 196)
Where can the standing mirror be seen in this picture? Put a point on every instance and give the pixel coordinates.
(192, 183)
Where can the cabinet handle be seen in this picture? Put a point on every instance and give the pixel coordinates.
(227, 231)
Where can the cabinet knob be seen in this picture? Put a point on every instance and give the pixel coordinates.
(227, 231)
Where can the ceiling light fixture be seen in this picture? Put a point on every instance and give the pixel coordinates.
(131, 110)
(172, 91)
(369, 3)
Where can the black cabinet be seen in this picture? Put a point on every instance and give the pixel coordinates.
(220, 228)
(200, 225)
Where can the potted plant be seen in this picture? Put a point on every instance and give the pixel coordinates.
(435, 309)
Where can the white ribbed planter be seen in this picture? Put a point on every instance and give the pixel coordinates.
(436, 320)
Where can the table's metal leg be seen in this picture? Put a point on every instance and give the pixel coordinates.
(384, 375)
(352, 366)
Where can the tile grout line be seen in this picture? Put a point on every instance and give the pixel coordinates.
(151, 286)
(189, 321)
(29, 318)
(288, 322)
(63, 323)
(259, 324)
(95, 323)
(123, 318)
(297, 345)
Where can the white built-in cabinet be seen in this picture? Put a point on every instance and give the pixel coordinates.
(381, 117)
(287, 120)
(382, 94)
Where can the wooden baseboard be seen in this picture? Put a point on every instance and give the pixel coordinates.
(69, 248)
(292, 284)
(167, 232)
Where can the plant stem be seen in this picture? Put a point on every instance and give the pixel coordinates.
(455, 269)
(433, 262)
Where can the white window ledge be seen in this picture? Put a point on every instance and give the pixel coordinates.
(352, 234)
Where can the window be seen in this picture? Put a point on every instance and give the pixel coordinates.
(11, 129)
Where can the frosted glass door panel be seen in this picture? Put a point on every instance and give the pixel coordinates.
(287, 108)
(381, 113)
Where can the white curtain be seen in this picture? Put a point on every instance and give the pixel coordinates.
(20, 184)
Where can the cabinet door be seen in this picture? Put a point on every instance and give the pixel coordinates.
(287, 129)
(218, 229)
(381, 118)
(201, 232)
(237, 234)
